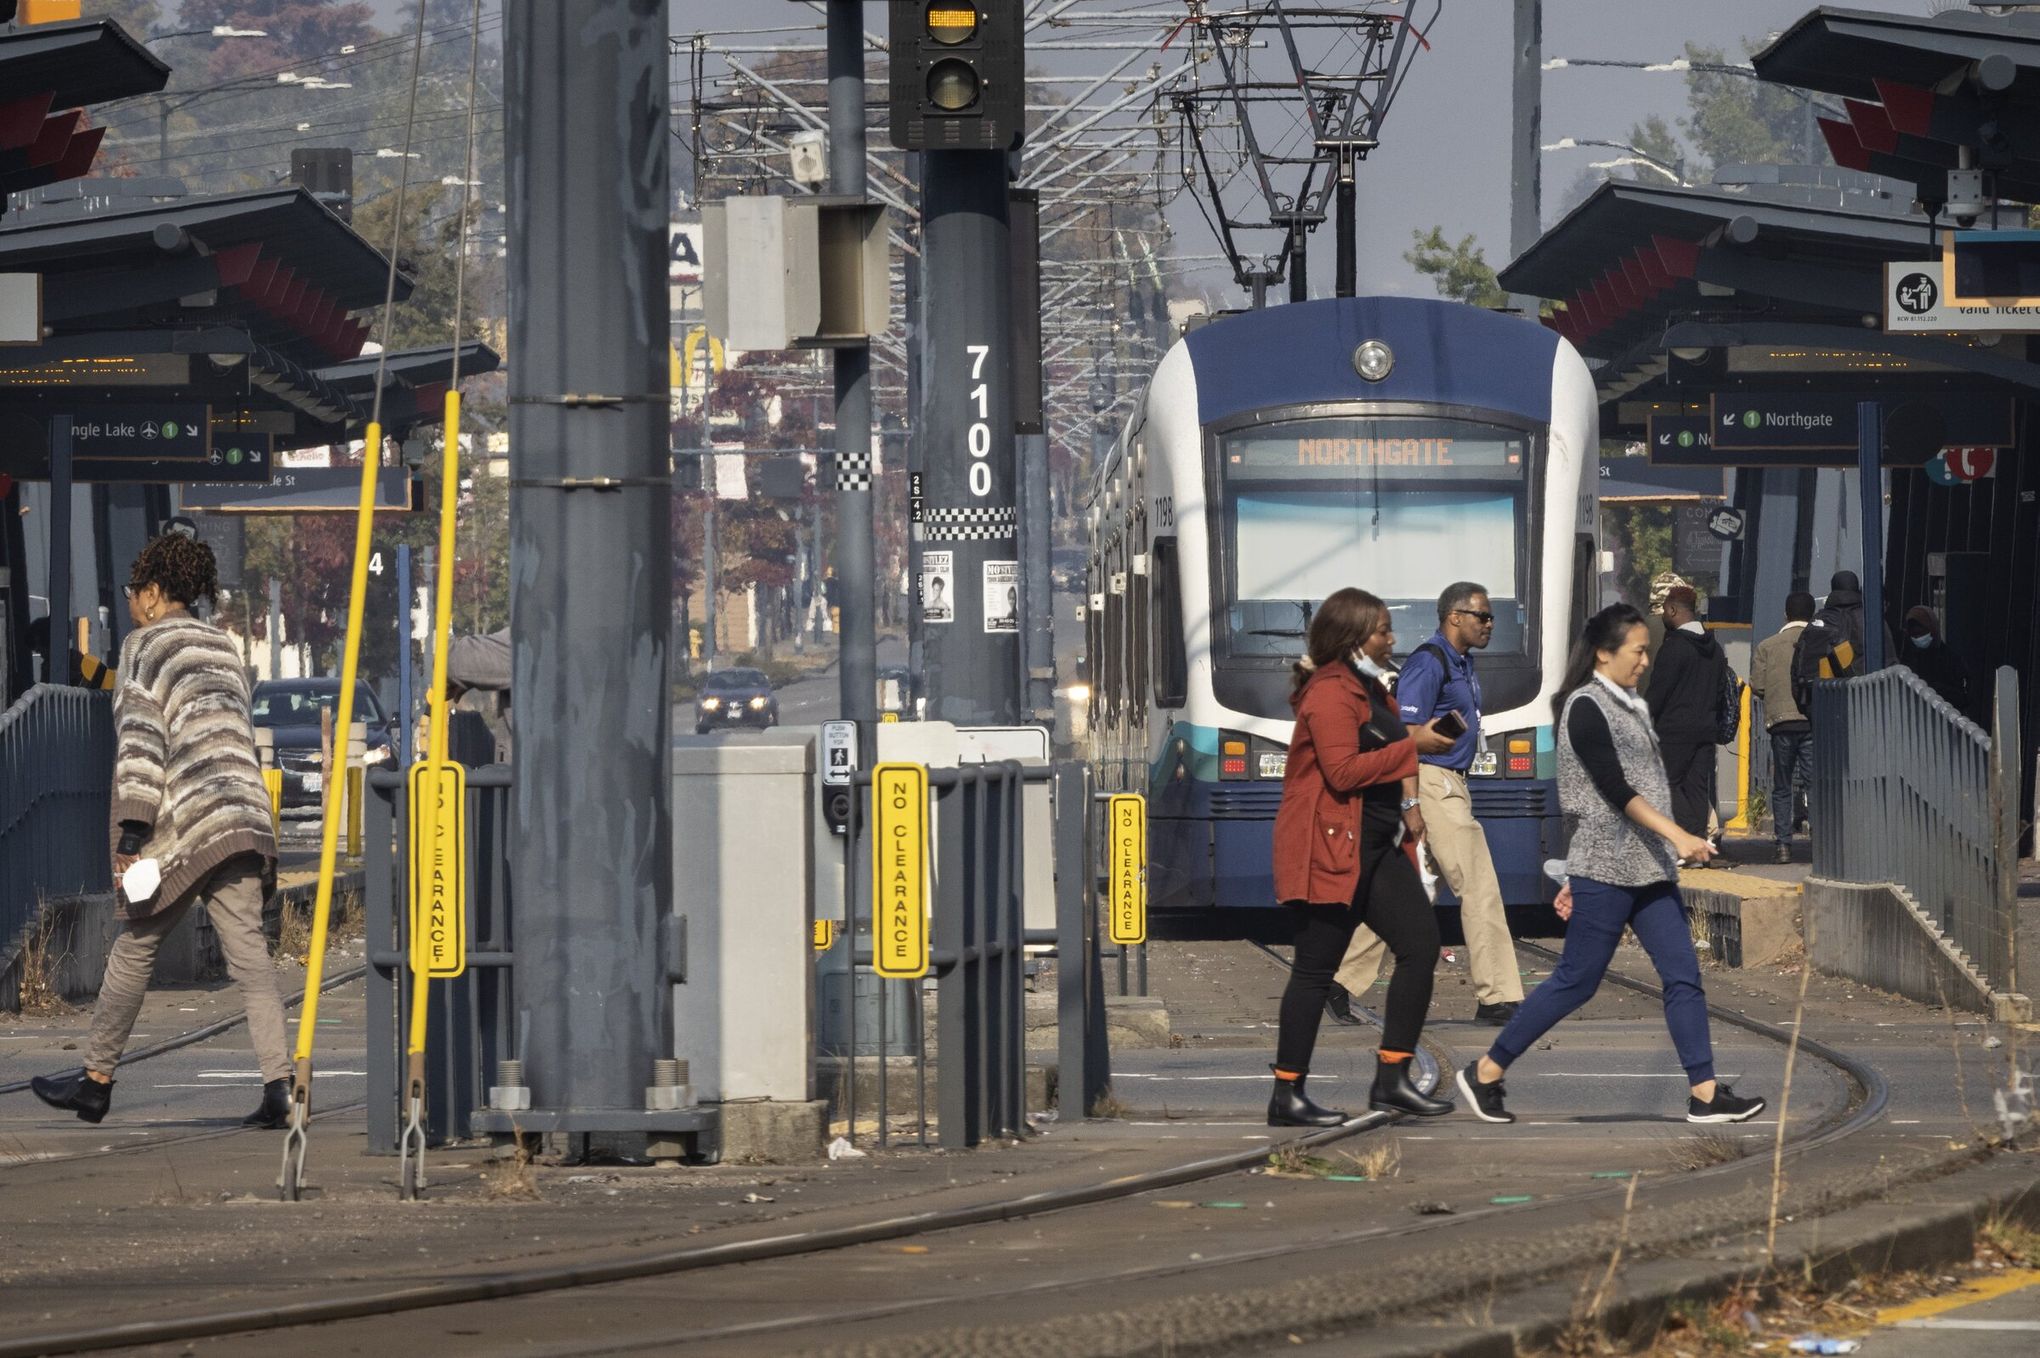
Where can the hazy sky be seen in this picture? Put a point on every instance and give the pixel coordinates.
(1444, 157)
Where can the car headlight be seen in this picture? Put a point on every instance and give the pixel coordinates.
(758, 704)
(710, 704)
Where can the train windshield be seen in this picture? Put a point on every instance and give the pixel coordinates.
(1399, 505)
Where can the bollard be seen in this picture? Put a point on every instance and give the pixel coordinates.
(353, 822)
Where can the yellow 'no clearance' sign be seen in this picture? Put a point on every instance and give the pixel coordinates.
(899, 870)
(438, 817)
(1127, 834)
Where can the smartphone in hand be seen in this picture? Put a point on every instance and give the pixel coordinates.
(1451, 725)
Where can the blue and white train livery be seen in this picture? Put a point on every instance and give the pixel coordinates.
(1397, 444)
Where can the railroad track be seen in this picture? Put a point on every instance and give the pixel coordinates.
(1865, 1104)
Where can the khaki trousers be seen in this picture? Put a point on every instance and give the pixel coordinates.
(1458, 846)
(233, 902)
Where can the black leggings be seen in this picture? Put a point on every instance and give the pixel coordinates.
(1394, 907)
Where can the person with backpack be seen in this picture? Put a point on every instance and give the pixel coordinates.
(1438, 697)
(1831, 647)
(1685, 700)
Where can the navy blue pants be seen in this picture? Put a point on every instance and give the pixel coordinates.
(1791, 774)
(1600, 913)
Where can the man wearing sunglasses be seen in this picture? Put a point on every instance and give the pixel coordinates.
(1437, 687)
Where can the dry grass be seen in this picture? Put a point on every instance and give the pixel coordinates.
(294, 927)
(2018, 1244)
(1110, 1105)
(1703, 1150)
(513, 1179)
(42, 965)
(1378, 1162)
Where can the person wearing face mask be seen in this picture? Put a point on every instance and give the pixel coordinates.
(1622, 872)
(1345, 840)
(1934, 660)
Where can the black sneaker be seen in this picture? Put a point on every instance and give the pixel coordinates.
(1725, 1106)
(1495, 1015)
(1339, 1004)
(1484, 1099)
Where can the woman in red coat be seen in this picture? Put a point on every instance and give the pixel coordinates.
(1345, 855)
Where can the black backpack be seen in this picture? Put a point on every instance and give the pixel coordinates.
(1728, 708)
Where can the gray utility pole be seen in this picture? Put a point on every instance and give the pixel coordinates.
(856, 569)
(1037, 537)
(1526, 167)
(276, 629)
(917, 452)
(591, 552)
(57, 660)
(711, 561)
(969, 520)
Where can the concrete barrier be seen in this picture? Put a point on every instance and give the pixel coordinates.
(1878, 935)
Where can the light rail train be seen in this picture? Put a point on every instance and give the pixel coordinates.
(1397, 444)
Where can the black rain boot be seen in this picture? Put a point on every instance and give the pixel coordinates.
(274, 1113)
(1395, 1093)
(80, 1094)
(1289, 1106)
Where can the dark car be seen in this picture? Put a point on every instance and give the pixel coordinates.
(735, 698)
(289, 709)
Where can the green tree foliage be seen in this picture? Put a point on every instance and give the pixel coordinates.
(1459, 271)
(1733, 119)
(1657, 143)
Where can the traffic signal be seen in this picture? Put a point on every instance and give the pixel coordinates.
(958, 74)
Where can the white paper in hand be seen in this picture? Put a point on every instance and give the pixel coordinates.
(141, 879)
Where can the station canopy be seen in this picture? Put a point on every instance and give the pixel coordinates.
(257, 304)
(1920, 90)
(48, 75)
(1671, 292)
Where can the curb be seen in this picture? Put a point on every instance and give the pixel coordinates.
(1873, 1237)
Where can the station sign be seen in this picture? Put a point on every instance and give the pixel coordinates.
(899, 870)
(1915, 303)
(1696, 548)
(1678, 440)
(303, 490)
(172, 430)
(240, 458)
(438, 844)
(91, 374)
(1818, 428)
(1126, 842)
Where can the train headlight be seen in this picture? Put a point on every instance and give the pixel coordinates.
(1373, 360)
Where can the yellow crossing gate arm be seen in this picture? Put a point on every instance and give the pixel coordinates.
(329, 829)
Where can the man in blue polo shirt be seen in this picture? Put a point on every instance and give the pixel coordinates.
(1438, 679)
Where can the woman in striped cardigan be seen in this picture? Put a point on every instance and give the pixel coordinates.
(188, 795)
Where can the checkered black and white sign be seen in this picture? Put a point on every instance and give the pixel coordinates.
(972, 524)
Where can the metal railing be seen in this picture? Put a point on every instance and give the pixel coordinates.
(977, 957)
(56, 782)
(1909, 791)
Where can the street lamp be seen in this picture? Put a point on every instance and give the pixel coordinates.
(1632, 155)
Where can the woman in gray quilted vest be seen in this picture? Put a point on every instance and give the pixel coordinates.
(1622, 871)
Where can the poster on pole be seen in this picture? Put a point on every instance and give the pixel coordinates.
(1002, 597)
(938, 587)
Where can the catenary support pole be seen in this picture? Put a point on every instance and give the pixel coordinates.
(973, 656)
(57, 660)
(275, 629)
(1870, 495)
(590, 547)
(1526, 166)
(1299, 261)
(1348, 275)
(1037, 593)
(406, 718)
(856, 572)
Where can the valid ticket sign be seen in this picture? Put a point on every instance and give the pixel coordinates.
(1126, 840)
(438, 839)
(899, 870)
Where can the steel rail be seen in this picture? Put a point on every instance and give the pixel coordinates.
(1868, 1103)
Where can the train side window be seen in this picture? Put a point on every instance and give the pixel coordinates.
(1137, 640)
(1171, 664)
(1586, 581)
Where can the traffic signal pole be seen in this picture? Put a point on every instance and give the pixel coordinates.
(856, 571)
(969, 520)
